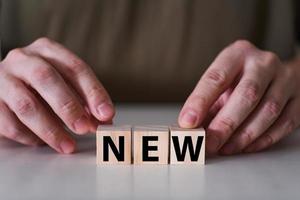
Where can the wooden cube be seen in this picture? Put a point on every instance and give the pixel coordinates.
(113, 144)
(150, 144)
(187, 146)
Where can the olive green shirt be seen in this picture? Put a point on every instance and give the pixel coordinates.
(150, 50)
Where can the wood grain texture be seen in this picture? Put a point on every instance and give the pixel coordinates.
(183, 134)
(161, 133)
(114, 132)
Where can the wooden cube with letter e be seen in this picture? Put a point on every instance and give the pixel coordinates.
(150, 144)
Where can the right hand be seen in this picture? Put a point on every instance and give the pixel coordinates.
(43, 85)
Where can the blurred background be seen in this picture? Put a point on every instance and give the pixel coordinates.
(151, 51)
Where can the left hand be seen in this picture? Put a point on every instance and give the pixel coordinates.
(247, 99)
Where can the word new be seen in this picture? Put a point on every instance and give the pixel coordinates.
(150, 145)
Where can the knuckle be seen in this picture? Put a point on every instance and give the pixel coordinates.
(70, 108)
(265, 62)
(43, 73)
(16, 54)
(216, 77)
(42, 42)
(77, 66)
(95, 92)
(227, 125)
(25, 106)
(198, 101)
(52, 136)
(291, 125)
(242, 44)
(258, 64)
(269, 140)
(250, 91)
(273, 108)
(247, 137)
(270, 58)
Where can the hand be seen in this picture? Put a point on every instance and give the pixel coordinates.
(43, 85)
(247, 99)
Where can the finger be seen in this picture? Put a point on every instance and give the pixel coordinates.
(30, 112)
(282, 127)
(212, 113)
(13, 129)
(258, 74)
(215, 108)
(263, 117)
(79, 74)
(218, 77)
(41, 76)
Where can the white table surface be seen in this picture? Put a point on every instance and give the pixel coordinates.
(40, 173)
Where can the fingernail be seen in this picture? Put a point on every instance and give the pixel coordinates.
(67, 146)
(229, 148)
(189, 119)
(213, 143)
(105, 110)
(82, 124)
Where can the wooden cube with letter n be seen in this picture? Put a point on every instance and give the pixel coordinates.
(187, 146)
(150, 144)
(113, 144)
